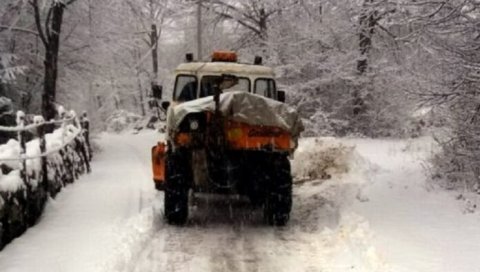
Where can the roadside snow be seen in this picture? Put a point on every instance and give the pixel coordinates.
(373, 211)
(11, 182)
(418, 227)
(75, 231)
(10, 150)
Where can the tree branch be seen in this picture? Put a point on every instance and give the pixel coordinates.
(228, 16)
(235, 9)
(47, 22)
(38, 23)
(70, 2)
(19, 29)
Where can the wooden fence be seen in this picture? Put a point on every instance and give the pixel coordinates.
(59, 165)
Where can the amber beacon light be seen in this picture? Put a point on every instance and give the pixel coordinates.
(224, 56)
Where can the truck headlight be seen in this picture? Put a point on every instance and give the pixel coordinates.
(194, 124)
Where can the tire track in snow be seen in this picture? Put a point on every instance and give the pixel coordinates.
(224, 235)
(141, 163)
(212, 241)
(246, 245)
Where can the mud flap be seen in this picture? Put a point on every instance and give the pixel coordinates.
(158, 165)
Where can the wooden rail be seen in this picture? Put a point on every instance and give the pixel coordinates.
(39, 126)
(59, 165)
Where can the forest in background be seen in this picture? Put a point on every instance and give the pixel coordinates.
(368, 68)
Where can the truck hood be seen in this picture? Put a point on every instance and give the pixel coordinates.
(242, 107)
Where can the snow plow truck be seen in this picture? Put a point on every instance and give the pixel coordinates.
(228, 131)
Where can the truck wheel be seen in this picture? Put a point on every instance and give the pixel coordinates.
(176, 188)
(278, 201)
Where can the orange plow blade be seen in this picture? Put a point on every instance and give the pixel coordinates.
(158, 165)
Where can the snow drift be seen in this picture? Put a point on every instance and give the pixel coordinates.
(324, 158)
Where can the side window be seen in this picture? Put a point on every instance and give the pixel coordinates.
(265, 87)
(208, 86)
(185, 88)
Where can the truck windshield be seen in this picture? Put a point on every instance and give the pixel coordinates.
(208, 82)
(185, 88)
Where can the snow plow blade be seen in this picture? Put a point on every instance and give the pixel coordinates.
(266, 115)
(158, 165)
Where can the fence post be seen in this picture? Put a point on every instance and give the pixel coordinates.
(21, 141)
(43, 150)
(63, 115)
(85, 123)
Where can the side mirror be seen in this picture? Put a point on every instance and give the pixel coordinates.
(157, 91)
(152, 103)
(165, 105)
(281, 96)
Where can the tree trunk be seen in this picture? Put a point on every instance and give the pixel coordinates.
(154, 44)
(367, 23)
(142, 100)
(141, 94)
(199, 31)
(262, 24)
(49, 85)
(51, 61)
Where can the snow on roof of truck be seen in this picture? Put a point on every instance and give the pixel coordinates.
(224, 68)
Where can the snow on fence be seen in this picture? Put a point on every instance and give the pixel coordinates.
(37, 165)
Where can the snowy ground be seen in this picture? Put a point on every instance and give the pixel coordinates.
(376, 213)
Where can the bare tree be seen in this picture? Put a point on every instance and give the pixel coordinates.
(150, 16)
(252, 15)
(449, 30)
(49, 30)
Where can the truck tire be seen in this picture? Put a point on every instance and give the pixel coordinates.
(278, 201)
(176, 188)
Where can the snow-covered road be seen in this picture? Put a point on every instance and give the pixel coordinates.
(75, 232)
(377, 217)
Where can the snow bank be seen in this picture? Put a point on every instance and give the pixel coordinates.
(132, 236)
(350, 247)
(330, 176)
(11, 182)
(324, 158)
(23, 203)
(10, 150)
(332, 170)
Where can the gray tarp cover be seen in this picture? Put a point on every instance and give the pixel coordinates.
(242, 107)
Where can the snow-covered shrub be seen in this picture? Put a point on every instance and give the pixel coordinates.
(321, 158)
(22, 201)
(122, 120)
(9, 72)
(453, 83)
(11, 182)
(316, 61)
(457, 165)
(318, 124)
